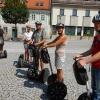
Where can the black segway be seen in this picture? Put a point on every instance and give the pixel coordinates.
(82, 79)
(56, 90)
(3, 54)
(32, 72)
(21, 60)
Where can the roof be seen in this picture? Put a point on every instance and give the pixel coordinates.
(35, 4)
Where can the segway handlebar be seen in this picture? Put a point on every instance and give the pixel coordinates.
(77, 59)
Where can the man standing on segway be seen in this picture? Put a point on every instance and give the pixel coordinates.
(94, 59)
(60, 44)
(39, 37)
(2, 35)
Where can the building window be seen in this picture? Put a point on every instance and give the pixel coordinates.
(61, 11)
(74, 12)
(88, 31)
(37, 3)
(42, 16)
(87, 13)
(69, 30)
(23, 29)
(41, 3)
(5, 29)
(33, 16)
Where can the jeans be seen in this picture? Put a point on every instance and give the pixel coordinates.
(95, 83)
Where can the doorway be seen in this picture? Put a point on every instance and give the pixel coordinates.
(79, 29)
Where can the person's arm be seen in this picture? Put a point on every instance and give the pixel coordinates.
(59, 41)
(93, 58)
(41, 42)
(52, 41)
(82, 62)
(4, 34)
(24, 37)
(87, 53)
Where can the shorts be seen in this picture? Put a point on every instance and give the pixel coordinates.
(59, 62)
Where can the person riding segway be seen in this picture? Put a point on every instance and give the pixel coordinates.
(56, 90)
(82, 79)
(38, 37)
(3, 54)
(94, 51)
(55, 80)
(23, 61)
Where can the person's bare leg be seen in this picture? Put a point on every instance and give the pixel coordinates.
(41, 64)
(59, 75)
(2, 47)
(26, 55)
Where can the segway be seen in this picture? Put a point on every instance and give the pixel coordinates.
(56, 90)
(21, 60)
(82, 79)
(3, 54)
(32, 72)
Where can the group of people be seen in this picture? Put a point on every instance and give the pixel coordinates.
(38, 38)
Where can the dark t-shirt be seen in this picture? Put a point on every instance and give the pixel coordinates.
(1, 32)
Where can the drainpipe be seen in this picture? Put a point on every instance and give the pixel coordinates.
(51, 18)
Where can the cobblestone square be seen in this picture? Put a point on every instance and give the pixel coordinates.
(14, 84)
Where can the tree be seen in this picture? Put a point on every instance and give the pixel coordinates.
(15, 11)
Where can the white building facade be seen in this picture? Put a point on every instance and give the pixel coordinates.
(77, 16)
(35, 15)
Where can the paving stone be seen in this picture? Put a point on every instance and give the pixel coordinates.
(14, 84)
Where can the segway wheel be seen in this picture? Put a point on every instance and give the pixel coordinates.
(5, 53)
(85, 97)
(57, 91)
(29, 73)
(20, 62)
(52, 78)
(44, 75)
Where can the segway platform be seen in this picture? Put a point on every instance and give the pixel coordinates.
(3, 54)
(32, 71)
(23, 63)
(32, 74)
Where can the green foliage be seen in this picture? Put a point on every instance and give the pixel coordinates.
(15, 12)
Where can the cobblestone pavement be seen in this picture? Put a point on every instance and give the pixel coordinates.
(14, 84)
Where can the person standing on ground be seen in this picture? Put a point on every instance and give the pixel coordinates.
(60, 44)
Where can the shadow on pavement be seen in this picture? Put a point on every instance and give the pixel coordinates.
(36, 84)
(21, 73)
(15, 63)
(30, 83)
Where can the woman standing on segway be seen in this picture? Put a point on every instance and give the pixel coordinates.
(60, 44)
(26, 38)
(94, 59)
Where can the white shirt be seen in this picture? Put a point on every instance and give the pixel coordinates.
(28, 35)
